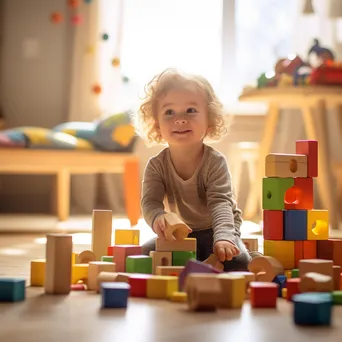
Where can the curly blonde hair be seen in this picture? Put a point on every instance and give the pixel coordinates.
(145, 120)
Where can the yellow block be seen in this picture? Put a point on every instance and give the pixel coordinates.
(288, 274)
(281, 250)
(79, 272)
(127, 236)
(284, 292)
(317, 225)
(161, 287)
(74, 258)
(233, 290)
(180, 297)
(37, 276)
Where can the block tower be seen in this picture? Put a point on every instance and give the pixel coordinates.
(292, 227)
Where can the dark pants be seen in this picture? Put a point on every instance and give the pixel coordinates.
(205, 248)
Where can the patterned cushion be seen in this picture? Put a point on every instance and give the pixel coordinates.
(10, 138)
(84, 130)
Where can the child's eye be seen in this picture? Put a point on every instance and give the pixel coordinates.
(169, 112)
(191, 110)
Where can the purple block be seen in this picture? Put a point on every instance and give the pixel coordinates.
(195, 266)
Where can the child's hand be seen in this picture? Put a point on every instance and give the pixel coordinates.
(225, 250)
(159, 226)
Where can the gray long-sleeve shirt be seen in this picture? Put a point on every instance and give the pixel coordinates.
(204, 201)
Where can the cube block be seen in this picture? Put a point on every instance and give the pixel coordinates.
(273, 192)
(114, 295)
(180, 258)
(12, 289)
(139, 264)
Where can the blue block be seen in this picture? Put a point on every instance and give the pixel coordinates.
(114, 295)
(281, 281)
(312, 308)
(12, 289)
(295, 225)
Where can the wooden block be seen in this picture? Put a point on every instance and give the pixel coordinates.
(273, 192)
(105, 277)
(37, 274)
(127, 236)
(175, 227)
(283, 251)
(273, 227)
(214, 261)
(121, 252)
(139, 264)
(341, 281)
(58, 264)
(78, 287)
(316, 265)
(284, 292)
(310, 149)
(74, 258)
(79, 273)
(94, 269)
(263, 294)
(123, 277)
(318, 224)
(300, 196)
(337, 297)
(138, 283)
(180, 297)
(110, 250)
(292, 286)
(169, 270)
(12, 290)
(337, 273)
(312, 309)
(305, 250)
(265, 268)
(248, 277)
(280, 279)
(114, 295)
(204, 292)
(101, 232)
(251, 244)
(188, 244)
(286, 165)
(107, 258)
(295, 273)
(288, 274)
(331, 250)
(295, 225)
(233, 290)
(180, 258)
(85, 257)
(161, 287)
(316, 282)
(160, 259)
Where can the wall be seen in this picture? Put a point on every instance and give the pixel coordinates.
(34, 91)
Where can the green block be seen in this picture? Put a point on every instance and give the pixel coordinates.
(337, 297)
(180, 258)
(12, 289)
(273, 192)
(107, 258)
(295, 273)
(139, 264)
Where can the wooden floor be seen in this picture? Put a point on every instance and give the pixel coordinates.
(78, 317)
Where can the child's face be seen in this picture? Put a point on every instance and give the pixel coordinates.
(183, 116)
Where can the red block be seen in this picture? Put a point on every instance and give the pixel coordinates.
(305, 250)
(121, 252)
(330, 250)
(292, 286)
(310, 149)
(341, 281)
(263, 294)
(273, 225)
(138, 284)
(300, 195)
(110, 250)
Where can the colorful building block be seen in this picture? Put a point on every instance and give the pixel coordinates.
(180, 297)
(295, 225)
(188, 244)
(280, 279)
(12, 289)
(295, 272)
(85, 257)
(310, 149)
(233, 291)
(265, 268)
(300, 196)
(121, 252)
(330, 249)
(101, 232)
(316, 265)
(37, 274)
(175, 227)
(263, 294)
(160, 259)
(305, 250)
(94, 269)
(337, 273)
(283, 251)
(312, 308)
(138, 283)
(273, 192)
(318, 224)
(273, 228)
(107, 258)
(79, 273)
(114, 295)
(161, 287)
(110, 250)
(316, 282)
(337, 297)
(127, 236)
(169, 270)
(286, 165)
(292, 286)
(139, 264)
(180, 258)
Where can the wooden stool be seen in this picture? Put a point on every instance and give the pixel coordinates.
(241, 153)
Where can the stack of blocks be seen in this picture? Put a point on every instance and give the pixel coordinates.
(292, 227)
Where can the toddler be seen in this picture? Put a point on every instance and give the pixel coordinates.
(189, 177)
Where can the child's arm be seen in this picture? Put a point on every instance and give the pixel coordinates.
(221, 202)
(153, 192)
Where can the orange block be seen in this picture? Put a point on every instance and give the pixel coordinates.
(305, 250)
(300, 195)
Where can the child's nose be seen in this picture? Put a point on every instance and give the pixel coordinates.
(180, 121)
